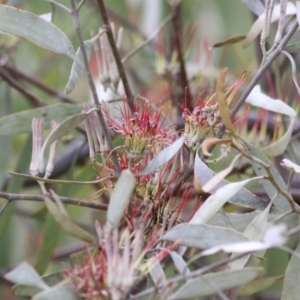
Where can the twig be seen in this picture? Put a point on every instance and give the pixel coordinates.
(263, 69)
(76, 22)
(183, 75)
(38, 83)
(12, 82)
(115, 53)
(148, 40)
(40, 198)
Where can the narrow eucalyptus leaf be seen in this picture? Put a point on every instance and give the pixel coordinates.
(210, 284)
(66, 224)
(280, 201)
(36, 30)
(63, 129)
(278, 147)
(214, 203)
(259, 285)
(78, 69)
(202, 236)
(163, 157)
(61, 291)
(259, 99)
(291, 286)
(157, 274)
(243, 197)
(120, 197)
(26, 275)
(259, 23)
(254, 232)
(26, 291)
(180, 263)
(230, 41)
(21, 122)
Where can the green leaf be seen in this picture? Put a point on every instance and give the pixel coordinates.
(26, 275)
(26, 291)
(21, 122)
(214, 203)
(202, 236)
(229, 41)
(36, 30)
(163, 157)
(61, 291)
(210, 284)
(63, 129)
(244, 198)
(291, 286)
(259, 23)
(78, 69)
(259, 285)
(120, 197)
(66, 224)
(179, 263)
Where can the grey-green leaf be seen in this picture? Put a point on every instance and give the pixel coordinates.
(202, 236)
(63, 129)
(242, 198)
(21, 122)
(61, 291)
(78, 69)
(291, 286)
(210, 284)
(280, 201)
(26, 291)
(163, 157)
(36, 30)
(214, 203)
(120, 197)
(26, 275)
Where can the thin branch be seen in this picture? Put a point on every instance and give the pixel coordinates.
(59, 5)
(35, 101)
(40, 198)
(38, 83)
(148, 40)
(76, 22)
(115, 53)
(263, 69)
(177, 37)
